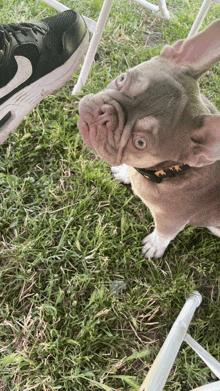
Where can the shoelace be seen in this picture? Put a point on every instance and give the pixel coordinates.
(14, 28)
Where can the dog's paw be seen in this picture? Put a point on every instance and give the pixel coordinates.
(121, 173)
(154, 245)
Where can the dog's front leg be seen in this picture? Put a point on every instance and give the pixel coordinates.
(155, 244)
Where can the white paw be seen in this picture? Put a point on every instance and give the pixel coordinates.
(154, 245)
(121, 173)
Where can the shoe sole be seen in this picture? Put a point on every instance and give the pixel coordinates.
(13, 111)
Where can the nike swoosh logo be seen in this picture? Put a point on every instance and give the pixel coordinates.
(23, 73)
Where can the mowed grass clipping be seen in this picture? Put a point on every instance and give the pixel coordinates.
(80, 308)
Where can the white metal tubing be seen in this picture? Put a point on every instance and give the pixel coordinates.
(160, 7)
(60, 7)
(199, 19)
(106, 8)
(159, 372)
(55, 4)
(212, 363)
(209, 387)
(163, 9)
(146, 4)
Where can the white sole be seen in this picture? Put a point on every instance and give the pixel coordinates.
(24, 101)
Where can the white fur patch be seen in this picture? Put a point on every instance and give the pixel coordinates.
(121, 173)
(215, 231)
(154, 245)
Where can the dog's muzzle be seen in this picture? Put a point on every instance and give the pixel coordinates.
(101, 123)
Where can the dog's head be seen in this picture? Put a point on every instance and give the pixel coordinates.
(154, 113)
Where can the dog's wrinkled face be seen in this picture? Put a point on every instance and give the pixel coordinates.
(138, 118)
(154, 113)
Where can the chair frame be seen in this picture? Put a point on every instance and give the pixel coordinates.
(159, 371)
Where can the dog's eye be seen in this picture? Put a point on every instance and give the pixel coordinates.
(121, 80)
(140, 143)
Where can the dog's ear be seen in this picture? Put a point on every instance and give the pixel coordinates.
(206, 141)
(198, 53)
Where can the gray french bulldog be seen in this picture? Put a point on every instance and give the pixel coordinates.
(157, 130)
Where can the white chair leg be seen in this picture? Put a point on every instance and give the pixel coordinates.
(146, 4)
(210, 361)
(163, 9)
(159, 372)
(106, 8)
(199, 19)
(160, 7)
(209, 387)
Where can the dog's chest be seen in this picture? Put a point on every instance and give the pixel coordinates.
(195, 197)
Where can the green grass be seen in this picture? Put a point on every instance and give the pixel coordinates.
(68, 230)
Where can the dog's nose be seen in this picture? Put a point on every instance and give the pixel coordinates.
(104, 115)
(107, 116)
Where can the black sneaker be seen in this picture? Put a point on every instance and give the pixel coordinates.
(35, 60)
